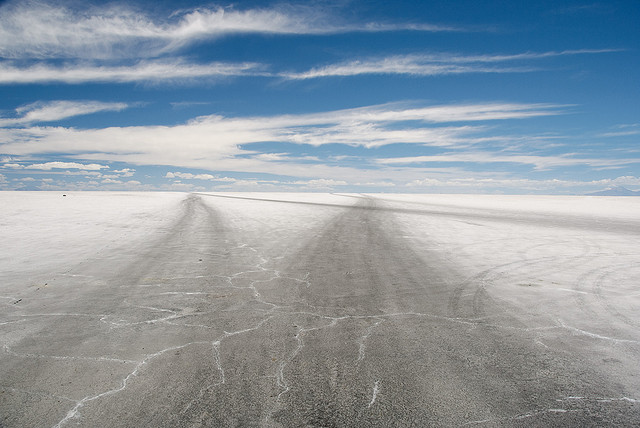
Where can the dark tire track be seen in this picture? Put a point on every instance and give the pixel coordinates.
(196, 328)
(427, 365)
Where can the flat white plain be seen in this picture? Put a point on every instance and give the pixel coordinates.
(565, 267)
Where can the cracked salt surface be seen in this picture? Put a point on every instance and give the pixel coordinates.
(374, 394)
(239, 312)
(74, 412)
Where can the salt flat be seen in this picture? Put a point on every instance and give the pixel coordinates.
(169, 309)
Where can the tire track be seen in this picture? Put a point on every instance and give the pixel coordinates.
(439, 360)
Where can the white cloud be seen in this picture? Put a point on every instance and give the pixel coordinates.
(321, 183)
(210, 177)
(272, 156)
(621, 133)
(627, 180)
(216, 142)
(143, 71)
(539, 162)
(66, 165)
(34, 29)
(452, 58)
(377, 184)
(57, 110)
(432, 65)
(184, 72)
(521, 184)
(189, 176)
(411, 65)
(111, 181)
(623, 130)
(427, 182)
(448, 113)
(125, 172)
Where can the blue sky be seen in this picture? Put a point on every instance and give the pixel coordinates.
(344, 96)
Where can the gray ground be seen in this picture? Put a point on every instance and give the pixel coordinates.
(351, 327)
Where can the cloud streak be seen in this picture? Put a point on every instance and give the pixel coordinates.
(434, 65)
(190, 176)
(58, 110)
(183, 71)
(218, 143)
(215, 137)
(143, 71)
(47, 166)
(520, 184)
(33, 29)
(539, 162)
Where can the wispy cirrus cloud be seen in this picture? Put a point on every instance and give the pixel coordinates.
(115, 43)
(153, 71)
(182, 71)
(520, 184)
(221, 143)
(47, 166)
(414, 66)
(190, 176)
(435, 64)
(57, 110)
(456, 58)
(537, 161)
(33, 29)
(624, 130)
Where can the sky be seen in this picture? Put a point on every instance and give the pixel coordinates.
(514, 97)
